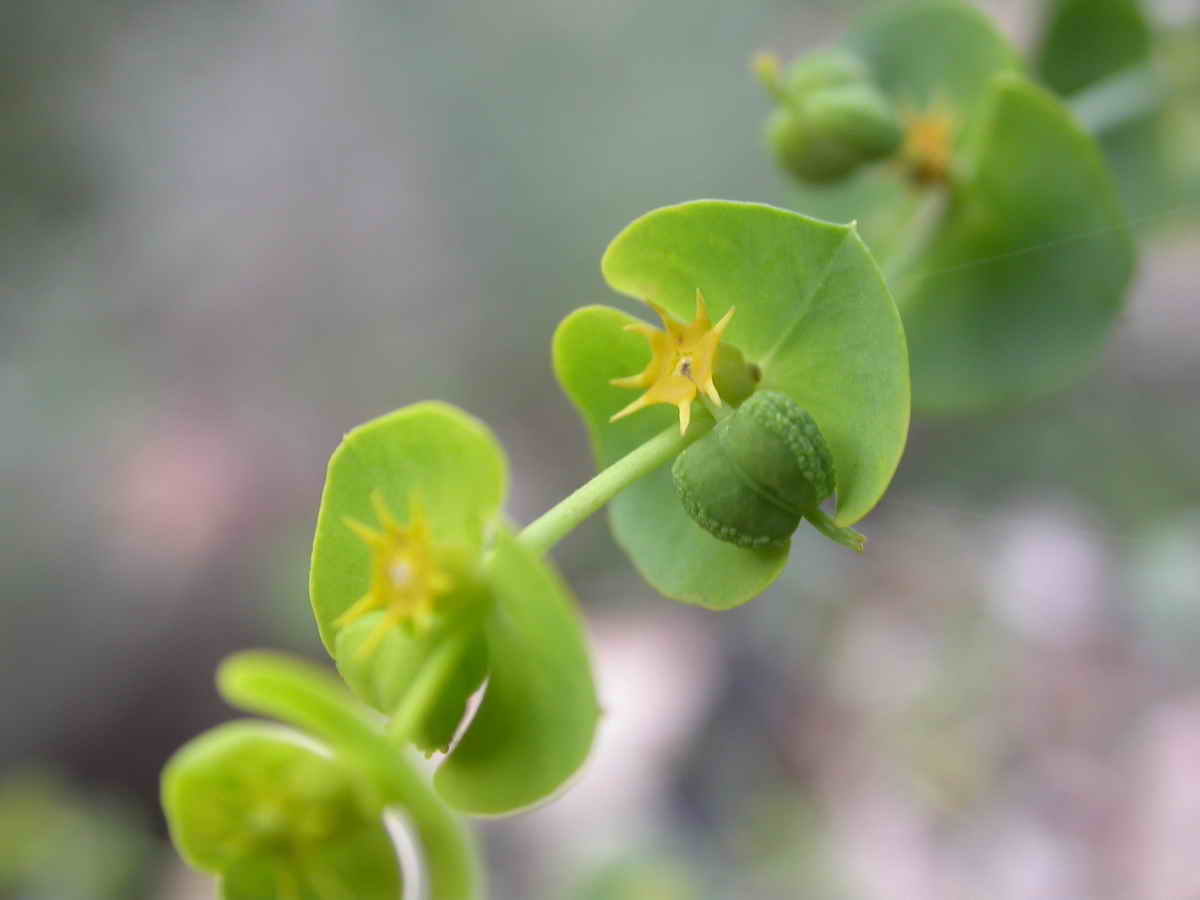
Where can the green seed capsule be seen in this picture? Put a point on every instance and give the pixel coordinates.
(823, 69)
(831, 119)
(858, 116)
(758, 474)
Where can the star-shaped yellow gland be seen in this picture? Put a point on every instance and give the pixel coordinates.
(405, 578)
(681, 363)
(928, 141)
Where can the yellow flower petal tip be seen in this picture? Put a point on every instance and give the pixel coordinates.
(681, 362)
(406, 580)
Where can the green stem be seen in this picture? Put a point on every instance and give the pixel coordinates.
(315, 701)
(847, 537)
(766, 67)
(1117, 99)
(719, 413)
(427, 685)
(562, 518)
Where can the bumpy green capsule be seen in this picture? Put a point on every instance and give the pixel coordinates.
(831, 119)
(758, 474)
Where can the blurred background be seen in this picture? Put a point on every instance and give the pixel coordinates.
(233, 229)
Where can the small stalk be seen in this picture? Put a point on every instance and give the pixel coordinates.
(565, 516)
(847, 537)
(425, 687)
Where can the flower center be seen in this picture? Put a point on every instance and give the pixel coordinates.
(681, 364)
(401, 573)
(406, 579)
(929, 142)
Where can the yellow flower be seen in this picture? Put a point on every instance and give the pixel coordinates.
(928, 141)
(405, 578)
(681, 363)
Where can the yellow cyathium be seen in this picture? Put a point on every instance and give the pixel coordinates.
(681, 363)
(928, 141)
(406, 580)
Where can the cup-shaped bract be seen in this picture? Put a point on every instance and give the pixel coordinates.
(500, 612)
(272, 815)
(815, 320)
(1013, 277)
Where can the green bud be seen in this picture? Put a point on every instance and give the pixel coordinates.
(824, 69)
(831, 120)
(735, 378)
(860, 117)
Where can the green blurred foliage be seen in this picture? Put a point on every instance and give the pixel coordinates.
(60, 843)
(1097, 44)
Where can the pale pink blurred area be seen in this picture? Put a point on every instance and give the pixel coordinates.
(1049, 575)
(1162, 327)
(1165, 758)
(171, 500)
(657, 675)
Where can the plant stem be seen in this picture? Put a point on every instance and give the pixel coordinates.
(427, 685)
(847, 537)
(1117, 99)
(720, 413)
(562, 518)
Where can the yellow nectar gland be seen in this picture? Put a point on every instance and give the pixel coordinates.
(681, 363)
(928, 142)
(405, 578)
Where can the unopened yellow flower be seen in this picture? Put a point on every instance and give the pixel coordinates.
(681, 363)
(405, 578)
(928, 141)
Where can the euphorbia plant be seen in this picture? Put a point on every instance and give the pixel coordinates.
(772, 390)
(421, 590)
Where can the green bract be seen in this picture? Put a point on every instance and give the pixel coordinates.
(1085, 41)
(316, 702)
(1138, 90)
(812, 314)
(276, 818)
(1011, 270)
(506, 614)
(1020, 286)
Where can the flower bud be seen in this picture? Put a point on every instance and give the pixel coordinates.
(831, 120)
